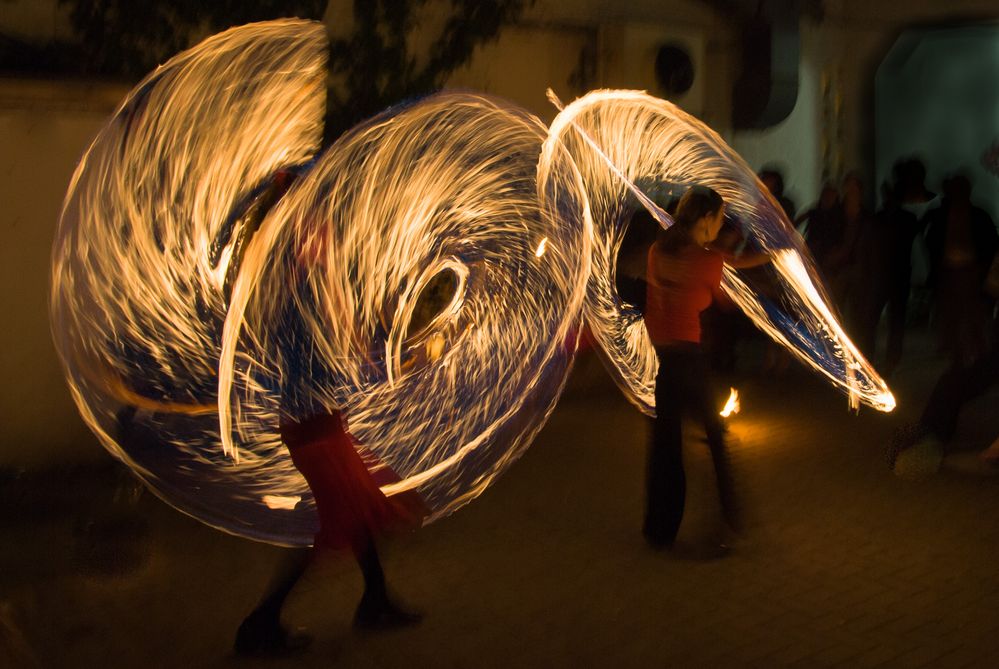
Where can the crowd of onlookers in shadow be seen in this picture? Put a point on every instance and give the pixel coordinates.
(919, 258)
(924, 258)
(920, 251)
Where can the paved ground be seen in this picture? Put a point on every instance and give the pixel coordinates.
(843, 564)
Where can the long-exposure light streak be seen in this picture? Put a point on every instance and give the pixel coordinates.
(447, 184)
(214, 272)
(657, 212)
(620, 138)
(147, 240)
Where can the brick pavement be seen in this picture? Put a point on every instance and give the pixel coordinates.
(842, 564)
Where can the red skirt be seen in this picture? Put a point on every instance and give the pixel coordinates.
(351, 506)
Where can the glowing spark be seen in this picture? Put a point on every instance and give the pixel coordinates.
(281, 503)
(541, 248)
(732, 405)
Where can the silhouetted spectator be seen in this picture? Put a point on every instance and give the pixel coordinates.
(909, 176)
(956, 387)
(846, 281)
(773, 179)
(824, 230)
(961, 240)
(884, 261)
(775, 358)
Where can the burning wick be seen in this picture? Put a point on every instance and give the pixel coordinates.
(732, 405)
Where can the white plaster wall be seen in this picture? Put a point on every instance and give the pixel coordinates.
(628, 56)
(795, 144)
(526, 60)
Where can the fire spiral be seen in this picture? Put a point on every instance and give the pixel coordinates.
(427, 274)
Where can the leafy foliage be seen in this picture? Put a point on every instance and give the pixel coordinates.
(378, 62)
(129, 38)
(379, 65)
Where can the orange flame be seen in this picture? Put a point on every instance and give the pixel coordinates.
(732, 405)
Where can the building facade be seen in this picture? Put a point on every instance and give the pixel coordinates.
(820, 115)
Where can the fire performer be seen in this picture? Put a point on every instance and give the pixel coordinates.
(352, 511)
(351, 506)
(684, 276)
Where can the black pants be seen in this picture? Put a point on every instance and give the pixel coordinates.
(683, 384)
(896, 297)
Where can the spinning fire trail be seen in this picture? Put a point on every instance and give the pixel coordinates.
(442, 190)
(148, 247)
(439, 260)
(621, 138)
